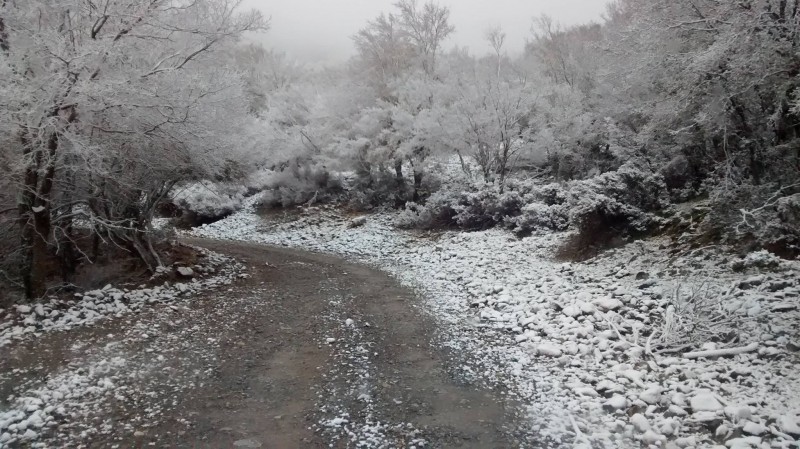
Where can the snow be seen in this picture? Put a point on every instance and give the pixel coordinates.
(705, 401)
(549, 332)
(96, 305)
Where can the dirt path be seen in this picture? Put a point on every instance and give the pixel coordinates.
(310, 351)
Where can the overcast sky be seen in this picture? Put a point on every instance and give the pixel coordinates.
(317, 32)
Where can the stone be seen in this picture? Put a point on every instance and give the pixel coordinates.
(185, 271)
(640, 423)
(789, 425)
(738, 413)
(248, 443)
(752, 428)
(571, 311)
(608, 303)
(549, 350)
(357, 222)
(651, 396)
(616, 402)
(705, 402)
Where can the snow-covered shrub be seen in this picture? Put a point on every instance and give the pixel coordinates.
(206, 201)
(414, 215)
(755, 217)
(547, 209)
(482, 207)
(486, 208)
(371, 190)
(696, 318)
(295, 184)
(437, 212)
(612, 208)
(758, 260)
(540, 216)
(614, 204)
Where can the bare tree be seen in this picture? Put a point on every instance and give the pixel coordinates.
(427, 27)
(385, 49)
(497, 38)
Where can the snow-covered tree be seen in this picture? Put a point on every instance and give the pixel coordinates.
(106, 105)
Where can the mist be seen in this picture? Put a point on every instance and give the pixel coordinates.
(318, 32)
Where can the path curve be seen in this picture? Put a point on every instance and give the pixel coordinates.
(309, 351)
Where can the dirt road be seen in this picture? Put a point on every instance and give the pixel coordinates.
(309, 351)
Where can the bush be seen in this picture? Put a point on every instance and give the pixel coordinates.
(295, 184)
(610, 208)
(757, 217)
(540, 216)
(206, 202)
(369, 191)
(482, 208)
(699, 317)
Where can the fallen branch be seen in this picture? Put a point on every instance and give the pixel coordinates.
(721, 352)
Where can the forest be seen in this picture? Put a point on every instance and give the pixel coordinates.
(115, 111)
(598, 232)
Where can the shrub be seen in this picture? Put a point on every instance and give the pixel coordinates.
(206, 202)
(696, 318)
(756, 217)
(540, 216)
(485, 209)
(482, 208)
(295, 184)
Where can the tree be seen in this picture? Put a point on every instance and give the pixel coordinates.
(496, 38)
(108, 104)
(427, 27)
(385, 50)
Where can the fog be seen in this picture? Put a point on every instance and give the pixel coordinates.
(317, 32)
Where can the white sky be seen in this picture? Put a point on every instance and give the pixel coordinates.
(317, 32)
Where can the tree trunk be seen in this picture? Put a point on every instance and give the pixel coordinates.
(398, 171)
(417, 184)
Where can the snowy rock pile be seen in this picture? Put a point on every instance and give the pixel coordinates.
(69, 394)
(24, 321)
(636, 347)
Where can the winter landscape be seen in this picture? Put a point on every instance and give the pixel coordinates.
(579, 228)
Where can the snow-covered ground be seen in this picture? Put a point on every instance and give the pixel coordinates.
(30, 321)
(103, 376)
(586, 346)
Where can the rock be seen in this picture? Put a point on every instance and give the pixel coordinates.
(743, 443)
(608, 303)
(789, 425)
(738, 413)
(640, 423)
(651, 437)
(586, 391)
(705, 402)
(651, 396)
(248, 443)
(23, 309)
(674, 410)
(784, 307)
(723, 431)
(752, 428)
(549, 350)
(185, 271)
(617, 402)
(357, 222)
(776, 286)
(647, 284)
(571, 311)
